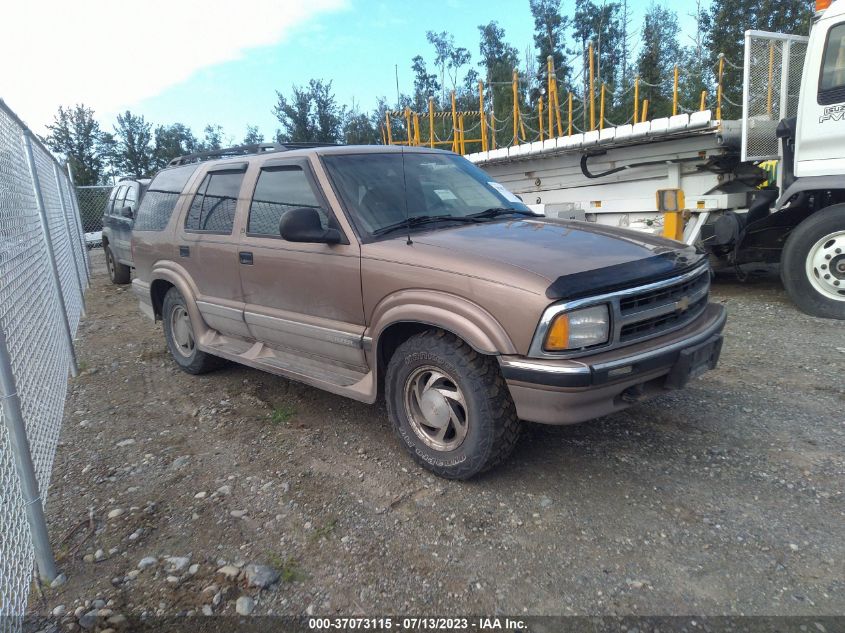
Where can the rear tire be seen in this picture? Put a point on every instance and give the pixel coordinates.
(813, 264)
(450, 406)
(118, 273)
(179, 334)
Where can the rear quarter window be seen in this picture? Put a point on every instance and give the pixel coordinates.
(161, 197)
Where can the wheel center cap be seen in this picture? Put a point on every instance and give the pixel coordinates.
(435, 409)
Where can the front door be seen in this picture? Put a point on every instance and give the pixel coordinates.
(820, 133)
(299, 297)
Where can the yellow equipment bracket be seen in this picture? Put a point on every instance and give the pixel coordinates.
(672, 204)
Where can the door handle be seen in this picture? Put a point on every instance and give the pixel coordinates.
(184, 251)
(245, 258)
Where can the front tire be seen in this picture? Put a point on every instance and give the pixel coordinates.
(179, 334)
(118, 273)
(813, 264)
(450, 406)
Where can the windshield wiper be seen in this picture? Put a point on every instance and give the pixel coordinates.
(495, 212)
(419, 220)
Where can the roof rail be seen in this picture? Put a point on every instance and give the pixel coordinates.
(242, 150)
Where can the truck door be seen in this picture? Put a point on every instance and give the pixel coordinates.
(208, 248)
(820, 134)
(300, 297)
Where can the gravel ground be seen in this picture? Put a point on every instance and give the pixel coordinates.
(724, 498)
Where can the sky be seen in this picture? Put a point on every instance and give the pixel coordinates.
(222, 61)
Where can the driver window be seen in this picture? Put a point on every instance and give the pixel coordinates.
(832, 81)
(280, 189)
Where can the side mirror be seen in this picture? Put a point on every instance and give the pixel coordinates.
(127, 212)
(303, 225)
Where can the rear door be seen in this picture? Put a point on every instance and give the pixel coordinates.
(122, 225)
(297, 296)
(208, 248)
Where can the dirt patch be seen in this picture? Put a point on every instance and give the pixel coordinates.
(724, 498)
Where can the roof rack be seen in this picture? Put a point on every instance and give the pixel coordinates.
(242, 150)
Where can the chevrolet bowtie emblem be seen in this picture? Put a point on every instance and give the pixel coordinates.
(683, 304)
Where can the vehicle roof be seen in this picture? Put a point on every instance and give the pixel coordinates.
(143, 181)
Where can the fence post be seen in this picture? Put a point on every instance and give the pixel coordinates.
(76, 255)
(675, 93)
(515, 90)
(455, 140)
(431, 121)
(45, 226)
(540, 116)
(592, 90)
(483, 116)
(637, 99)
(387, 127)
(19, 442)
(569, 129)
(75, 204)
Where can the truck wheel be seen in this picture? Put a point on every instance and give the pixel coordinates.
(179, 334)
(118, 273)
(813, 264)
(450, 406)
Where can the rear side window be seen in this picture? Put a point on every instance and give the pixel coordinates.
(213, 207)
(131, 198)
(161, 198)
(279, 190)
(110, 203)
(832, 80)
(118, 200)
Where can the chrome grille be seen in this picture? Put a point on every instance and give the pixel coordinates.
(656, 311)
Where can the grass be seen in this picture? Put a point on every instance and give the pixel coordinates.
(282, 414)
(288, 567)
(324, 531)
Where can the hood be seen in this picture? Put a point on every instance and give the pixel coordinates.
(575, 258)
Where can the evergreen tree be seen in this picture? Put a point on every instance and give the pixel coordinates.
(75, 135)
(253, 135)
(425, 84)
(498, 60)
(725, 27)
(550, 40)
(171, 141)
(132, 148)
(311, 115)
(658, 54)
(601, 26)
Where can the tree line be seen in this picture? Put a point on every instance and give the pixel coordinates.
(564, 30)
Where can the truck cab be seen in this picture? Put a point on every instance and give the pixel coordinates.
(820, 130)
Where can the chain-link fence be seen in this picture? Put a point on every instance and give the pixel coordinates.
(92, 201)
(43, 273)
(771, 80)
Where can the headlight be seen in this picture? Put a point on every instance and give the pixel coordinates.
(578, 329)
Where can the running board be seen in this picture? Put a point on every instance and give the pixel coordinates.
(327, 375)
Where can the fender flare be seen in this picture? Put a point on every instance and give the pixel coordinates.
(178, 276)
(463, 318)
(809, 183)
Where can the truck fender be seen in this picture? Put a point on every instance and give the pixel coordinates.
(465, 319)
(810, 183)
(178, 276)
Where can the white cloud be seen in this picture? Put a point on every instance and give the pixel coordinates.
(110, 54)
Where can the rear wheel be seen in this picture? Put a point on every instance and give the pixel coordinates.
(118, 273)
(450, 406)
(813, 264)
(179, 333)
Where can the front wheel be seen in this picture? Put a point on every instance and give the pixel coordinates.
(450, 406)
(813, 264)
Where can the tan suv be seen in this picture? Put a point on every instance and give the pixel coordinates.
(408, 272)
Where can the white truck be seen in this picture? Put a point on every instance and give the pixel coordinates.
(714, 170)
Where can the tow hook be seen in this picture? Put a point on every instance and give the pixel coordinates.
(633, 394)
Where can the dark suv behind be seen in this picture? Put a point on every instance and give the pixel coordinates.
(118, 218)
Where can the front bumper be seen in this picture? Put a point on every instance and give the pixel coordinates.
(570, 391)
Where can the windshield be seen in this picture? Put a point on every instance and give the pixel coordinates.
(434, 186)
